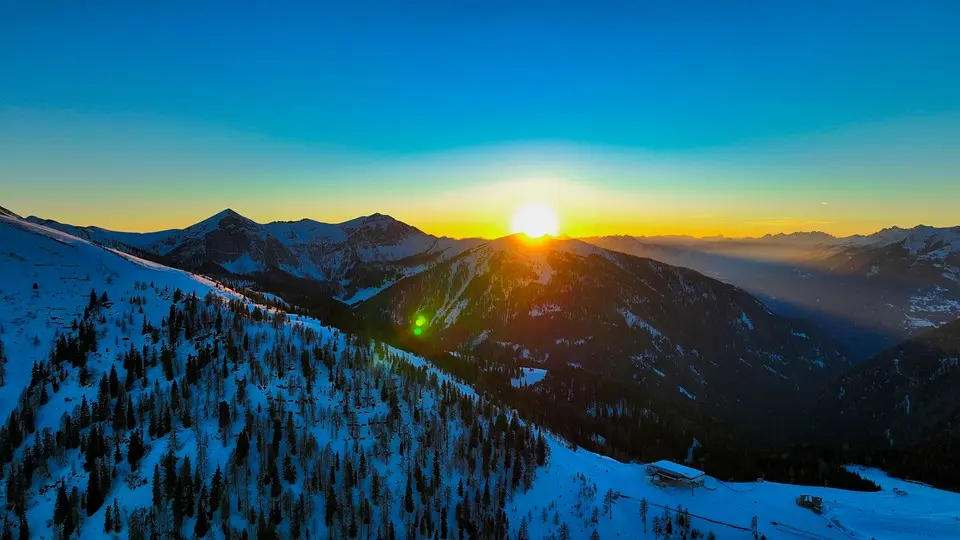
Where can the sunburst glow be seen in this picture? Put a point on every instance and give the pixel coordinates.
(536, 220)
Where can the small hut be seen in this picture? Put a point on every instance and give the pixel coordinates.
(667, 473)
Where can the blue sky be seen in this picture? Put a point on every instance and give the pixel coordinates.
(333, 99)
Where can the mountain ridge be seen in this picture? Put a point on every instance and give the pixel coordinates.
(352, 259)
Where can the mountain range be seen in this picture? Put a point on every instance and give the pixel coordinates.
(557, 303)
(350, 261)
(536, 352)
(664, 317)
(868, 291)
(145, 401)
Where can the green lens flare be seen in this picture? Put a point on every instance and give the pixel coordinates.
(417, 331)
(421, 320)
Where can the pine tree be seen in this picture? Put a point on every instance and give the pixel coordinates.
(608, 499)
(119, 415)
(94, 494)
(644, 508)
(135, 449)
(274, 478)
(166, 358)
(291, 434)
(243, 446)
(276, 515)
(61, 508)
(117, 518)
(131, 419)
(225, 508)
(408, 497)
(186, 479)
(216, 488)
(177, 504)
(114, 382)
(74, 511)
(24, 533)
(289, 471)
(517, 474)
(330, 508)
(202, 525)
(108, 520)
(157, 494)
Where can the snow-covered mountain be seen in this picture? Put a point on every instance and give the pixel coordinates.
(869, 291)
(886, 236)
(140, 400)
(915, 272)
(352, 260)
(573, 308)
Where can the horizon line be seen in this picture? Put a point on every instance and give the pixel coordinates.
(717, 236)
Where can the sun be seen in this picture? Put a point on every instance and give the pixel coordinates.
(535, 220)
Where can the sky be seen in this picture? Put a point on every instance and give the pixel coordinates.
(654, 117)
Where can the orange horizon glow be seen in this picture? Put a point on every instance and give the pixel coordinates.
(842, 182)
(472, 223)
(481, 212)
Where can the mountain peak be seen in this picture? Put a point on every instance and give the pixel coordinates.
(215, 220)
(227, 212)
(372, 219)
(380, 222)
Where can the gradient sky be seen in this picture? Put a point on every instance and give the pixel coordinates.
(627, 117)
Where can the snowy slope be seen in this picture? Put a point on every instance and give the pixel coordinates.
(575, 482)
(883, 237)
(106, 237)
(356, 408)
(65, 269)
